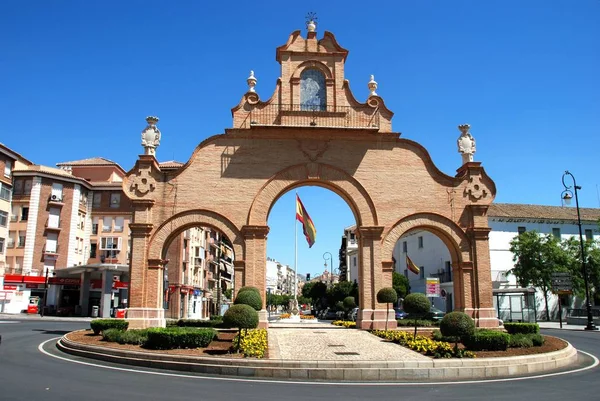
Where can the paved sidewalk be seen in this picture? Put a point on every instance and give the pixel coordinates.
(332, 344)
(556, 325)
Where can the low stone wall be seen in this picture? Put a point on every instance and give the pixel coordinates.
(355, 371)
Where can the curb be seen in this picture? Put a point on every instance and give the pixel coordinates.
(355, 371)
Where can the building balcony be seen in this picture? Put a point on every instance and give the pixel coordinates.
(445, 277)
(10, 243)
(210, 276)
(57, 200)
(54, 226)
(14, 218)
(296, 115)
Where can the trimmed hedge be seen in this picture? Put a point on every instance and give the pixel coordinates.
(249, 288)
(437, 335)
(457, 324)
(411, 323)
(135, 337)
(487, 340)
(520, 341)
(416, 305)
(387, 295)
(216, 323)
(249, 297)
(537, 339)
(522, 328)
(179, 337)
(99, 325)
(241, 316)
(111, 335)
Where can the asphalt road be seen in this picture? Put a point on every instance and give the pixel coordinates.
(28, 374)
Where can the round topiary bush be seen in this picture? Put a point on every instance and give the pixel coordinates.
(457, 324)
(416, 304)
(241, 316)
(249, 297)
(349, 303)
(249, 288)
(387, 295)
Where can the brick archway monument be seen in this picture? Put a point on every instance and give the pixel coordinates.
(311, 131)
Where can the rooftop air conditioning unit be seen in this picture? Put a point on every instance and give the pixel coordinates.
(54, 197)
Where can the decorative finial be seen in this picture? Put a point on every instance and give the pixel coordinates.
(151, 136)
(311, 21)
(372, 86)
(466, 143)
(251, 82)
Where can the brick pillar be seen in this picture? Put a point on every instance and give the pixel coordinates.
(255, 259)
(463, 287)
(239, 268)
(483, 306)
(372, 278)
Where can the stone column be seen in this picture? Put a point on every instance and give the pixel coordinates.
(256, 265)
(84, 294)
(372, 278)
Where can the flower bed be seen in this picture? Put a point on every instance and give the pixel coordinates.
(307, 317)
(423, 345)
(347, 324)
(254, 343)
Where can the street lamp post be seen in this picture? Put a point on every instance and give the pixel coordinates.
(567, 195)
(45, 293)
(331, 262)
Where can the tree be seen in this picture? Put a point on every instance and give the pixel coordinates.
(592, 253)
(307, 288)
(228, 293)
(243, 317)
(400, 284)
(318, 292)
(536, 257)
(338, 292)
(416, 305)
(250, 298)
(387, 295)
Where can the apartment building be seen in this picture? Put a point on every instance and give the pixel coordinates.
(280, 278)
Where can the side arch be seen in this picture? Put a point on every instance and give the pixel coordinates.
(181, 221)
(450, 233)
(322, 175)
(317, 65)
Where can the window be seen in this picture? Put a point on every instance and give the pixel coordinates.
(107, 243)
(7, 168)
(556, 232)
(93, 248)
(312, 90)
(97, 199)
(4, 219)
(28, 185)
(404, 247)
(420, 242)
(57, 192)
(24, 213)
(106, 224)
(1, 245)
(115, 199)
(51, 242)
(21, 241)
(95, 226)
(4, 192)
(54, 217)
(421, 272)
(18, 187)
(119, 223)
(521, 230)
(589, 234)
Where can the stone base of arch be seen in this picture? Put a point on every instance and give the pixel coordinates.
(484, 317)
(369, 319)
(142, 318)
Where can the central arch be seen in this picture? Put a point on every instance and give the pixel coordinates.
(322, 175)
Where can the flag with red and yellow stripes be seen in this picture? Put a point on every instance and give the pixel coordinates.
(308, 227)
(411, 266)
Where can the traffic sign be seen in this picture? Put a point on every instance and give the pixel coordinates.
(561, 281)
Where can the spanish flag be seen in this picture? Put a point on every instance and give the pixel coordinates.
(308, 227)
(411, 266)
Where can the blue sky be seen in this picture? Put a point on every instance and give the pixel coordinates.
(78, 79)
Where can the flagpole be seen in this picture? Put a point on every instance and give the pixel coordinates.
(296, 251)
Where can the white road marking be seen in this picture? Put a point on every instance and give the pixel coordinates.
(321, 383)
(8, 321)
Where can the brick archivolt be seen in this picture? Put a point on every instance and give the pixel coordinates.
(322, 175)
(451, 235)
(195, 218)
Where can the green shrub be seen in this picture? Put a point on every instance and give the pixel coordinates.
(387, 295)
(520, 341)
(537, 339)
(112, 335)
(99, 325)
(522, 328)
(134, 337)
(411, 323)
(457, 324)
(216, 323)
(241, 316)
(179, 337)
(216, 317)
(437, 335)
(487, 340)
(416, 304)
(172, 322)
(249, 288)
(249, 297)
(349, 303)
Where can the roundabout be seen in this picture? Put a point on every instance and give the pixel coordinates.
(29, 351)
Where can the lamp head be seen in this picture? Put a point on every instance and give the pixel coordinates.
(567, 197)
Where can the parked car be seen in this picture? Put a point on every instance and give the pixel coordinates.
(400, 314)
(435, 314)
(330, 315)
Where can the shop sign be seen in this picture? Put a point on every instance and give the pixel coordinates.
(432, 287)
(11, 287)
(64, 281)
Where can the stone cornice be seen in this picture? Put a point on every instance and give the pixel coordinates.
(255, 231)
(140, 229)
(371, 232)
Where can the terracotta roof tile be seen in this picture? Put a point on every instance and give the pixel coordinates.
(516, 210)
(170, 164)
(93, 161)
